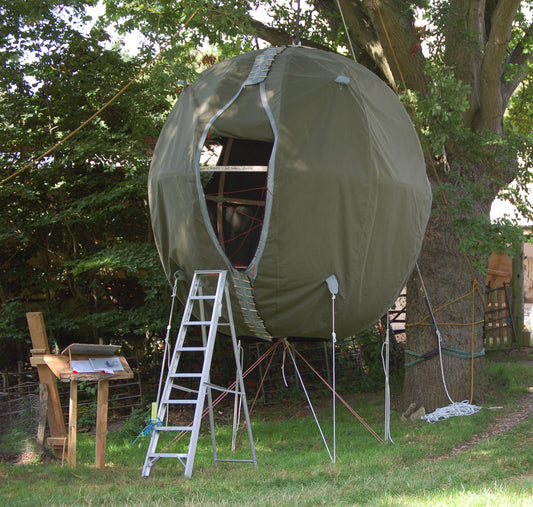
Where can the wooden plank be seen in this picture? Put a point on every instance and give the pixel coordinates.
(501, 322)
(43, 406)
(499, 270)
(91, 349)
(495, 319)
(72, 423)
(37, 361)
(56, 441)
(101, 423)
(39, 341)
(234, 168)
(516, 298)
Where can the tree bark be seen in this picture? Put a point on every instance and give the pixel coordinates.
(396, 31)
(456, 294)
(465, 40)
(361, 29)
(491, 103)
(517, 66)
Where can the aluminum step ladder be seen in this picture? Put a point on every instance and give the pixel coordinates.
(184, 388)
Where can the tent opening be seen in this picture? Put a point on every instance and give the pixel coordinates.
(235, 195)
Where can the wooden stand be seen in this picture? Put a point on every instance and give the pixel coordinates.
(60, 365)
(39, 340)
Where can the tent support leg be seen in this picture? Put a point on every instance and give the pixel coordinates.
(308, 399)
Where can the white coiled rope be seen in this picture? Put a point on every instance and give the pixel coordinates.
(456, 408)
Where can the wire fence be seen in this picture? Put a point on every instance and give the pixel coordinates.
(20, 400)
(19, 408)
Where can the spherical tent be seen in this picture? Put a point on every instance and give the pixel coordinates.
(319, 173)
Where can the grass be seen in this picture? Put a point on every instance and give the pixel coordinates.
(294, 468)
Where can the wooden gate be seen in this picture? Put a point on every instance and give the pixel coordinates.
(500, 331)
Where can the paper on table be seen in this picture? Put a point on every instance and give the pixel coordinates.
(106, 364)
(95, 365)
(82, 366)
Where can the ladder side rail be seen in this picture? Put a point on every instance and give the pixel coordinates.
(196, 288)
(163, 409)
(209, 391)
(183, 328)
(217, 307)
(239, 376)
(151, 455)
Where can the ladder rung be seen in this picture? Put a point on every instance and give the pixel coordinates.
(191, 349)
(223, 389)
(203, 297)
(185, 375)
(235, 460)
(180, 402)
(203, 323)
(168, 455)
(184, 389)
(172, 428)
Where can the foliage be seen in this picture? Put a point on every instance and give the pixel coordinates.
(371, 376)
(439, 115)
(313, 24)
(75, 241)
(441, 109)
(134, 424)
(518, 125)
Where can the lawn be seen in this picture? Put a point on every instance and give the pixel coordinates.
(420, 468)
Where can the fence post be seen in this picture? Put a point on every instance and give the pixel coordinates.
(517, 304)
(43, 412)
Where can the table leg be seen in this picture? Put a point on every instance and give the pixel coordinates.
(72, 422)
(101, 423)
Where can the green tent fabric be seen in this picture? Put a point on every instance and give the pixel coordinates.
(346, 192)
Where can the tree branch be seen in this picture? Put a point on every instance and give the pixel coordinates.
(491, 102)
(362, 31)
(362, 42)
(278, 37)
(396, 32)
(464, 32)
(517, 67)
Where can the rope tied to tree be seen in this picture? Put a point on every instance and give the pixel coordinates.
(430, 354)
(454, 409)
(423, 322)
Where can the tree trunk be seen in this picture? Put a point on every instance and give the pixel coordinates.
(453, 287)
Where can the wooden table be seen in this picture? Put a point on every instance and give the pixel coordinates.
(60, 366)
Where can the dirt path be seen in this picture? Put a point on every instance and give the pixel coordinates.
(502, 425)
